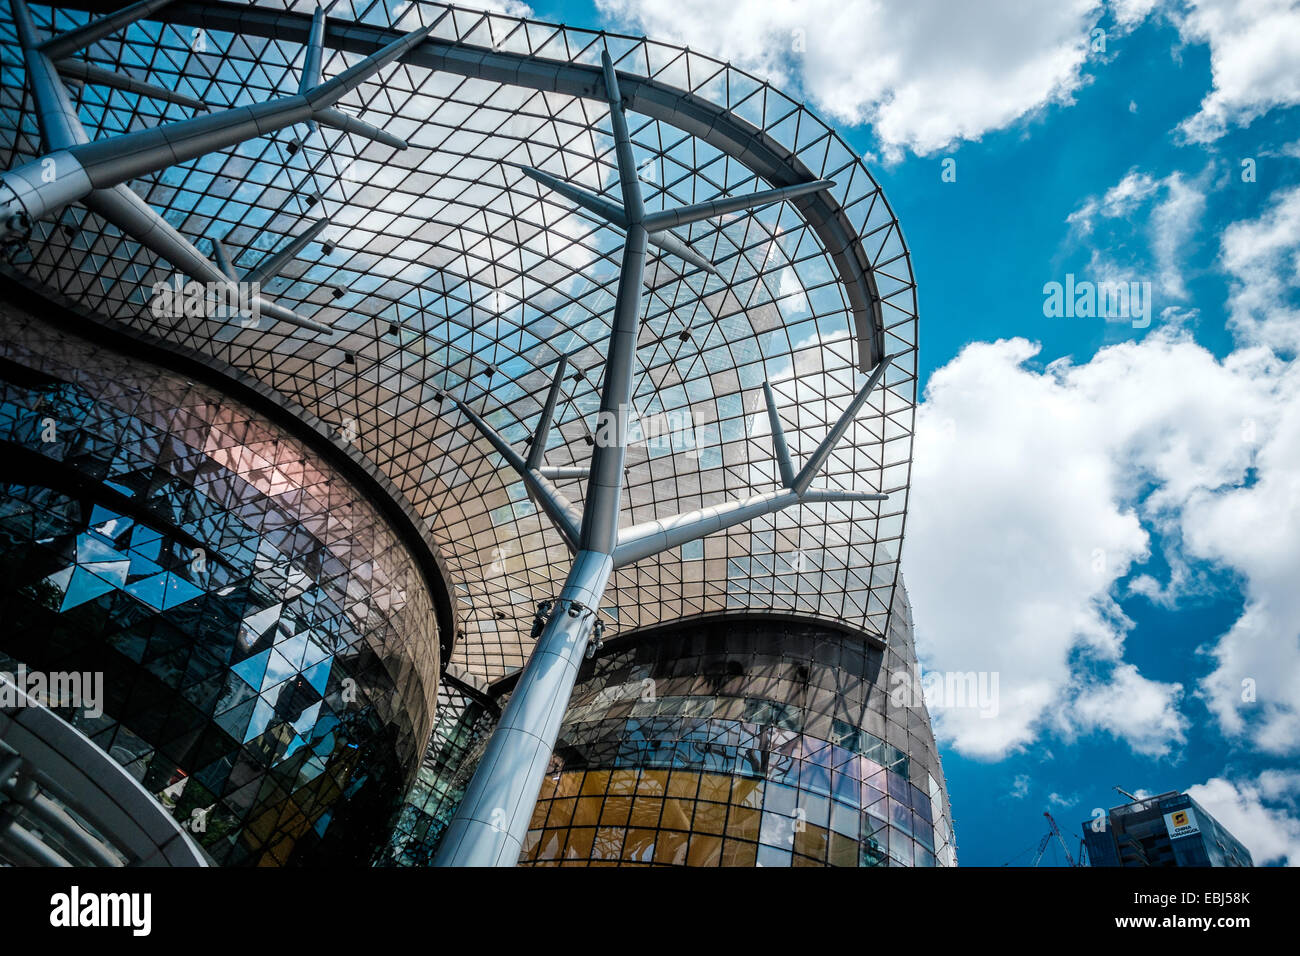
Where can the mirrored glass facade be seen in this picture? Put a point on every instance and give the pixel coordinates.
(268, 646)
(730, 741)
(1170, 829)
(464, 720)
(739, 743)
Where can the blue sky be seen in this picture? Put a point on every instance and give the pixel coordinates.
(1106, 514)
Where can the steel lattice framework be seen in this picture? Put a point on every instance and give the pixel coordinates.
(437, 219)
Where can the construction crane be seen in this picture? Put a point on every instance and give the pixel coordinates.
(1055, 831)
(1042, 847)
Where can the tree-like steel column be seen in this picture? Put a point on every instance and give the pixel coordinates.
(95, 172)
(489, 826)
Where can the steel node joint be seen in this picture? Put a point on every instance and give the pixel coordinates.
(558, 508)
(814, 464)
(575, 610)
(654, 537)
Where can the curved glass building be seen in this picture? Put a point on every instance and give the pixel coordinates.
(743, 740)
(725, 740)
(377, 378)
(259, 625)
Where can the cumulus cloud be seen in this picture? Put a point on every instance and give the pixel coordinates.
(1013, 539)
(1035, 489)
(1271, 833)
(1280, 786)
(1254, 689)
(923, 72)
(1254, 49)
(1254, 528)
(1031, 487)
(927, 73)
(1142, 712)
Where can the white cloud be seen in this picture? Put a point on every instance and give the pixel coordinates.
(927, 73)
(1035, 490)
(1014, 538)
(1173, 208)
(1280, 786)
(1020, 786)
(1254, 49)
(1120, 200)
(1173, 223)
(1132, 708)
(1031, 490)
(1270, 833)
(1263, 257)
(1129, 13)
(923, 72)
(1255, 686)
(1254, 689)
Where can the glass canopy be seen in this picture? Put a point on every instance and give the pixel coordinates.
(446, 270)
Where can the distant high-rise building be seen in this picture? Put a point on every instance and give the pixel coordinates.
(1171, 829)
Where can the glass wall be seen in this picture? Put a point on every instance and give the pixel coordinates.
(741, 742)
(460, 731)
(720, 741)
(1138, 834)
(267, 645)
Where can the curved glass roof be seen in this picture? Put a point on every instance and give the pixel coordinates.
(444, 268)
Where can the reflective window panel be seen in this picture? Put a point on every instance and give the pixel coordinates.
(267, 645)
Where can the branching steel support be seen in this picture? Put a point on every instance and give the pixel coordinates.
(94, 31)
(275, 262)
(84, 72)
(613, 214)
(492, 820)
(489, 826)
(557, 507)
(537, 450)
(77, 169)
(103, 163)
